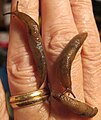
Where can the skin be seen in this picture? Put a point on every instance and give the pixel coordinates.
(57, 29)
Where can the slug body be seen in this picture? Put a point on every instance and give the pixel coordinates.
(64, 61)
(76, 106)
(63, 69)
(35, 44)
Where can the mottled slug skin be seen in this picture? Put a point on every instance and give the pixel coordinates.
(35, 44)
(76, 106)
(65, 59)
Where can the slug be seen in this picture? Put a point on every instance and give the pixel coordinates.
(76, 106)
(65, 59)
(63, 69)
(35, 44)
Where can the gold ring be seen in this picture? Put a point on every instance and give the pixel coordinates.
(30, 98)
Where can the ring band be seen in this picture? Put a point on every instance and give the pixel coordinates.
(29, 99)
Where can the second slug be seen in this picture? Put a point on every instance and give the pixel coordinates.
(63, 72)
(64, 61)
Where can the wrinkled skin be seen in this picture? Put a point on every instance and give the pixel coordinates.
(61, 20)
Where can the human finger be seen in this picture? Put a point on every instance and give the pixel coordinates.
(19, 60)
(20, 65)
(91, 54)
(58, 27)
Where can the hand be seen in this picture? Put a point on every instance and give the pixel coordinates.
(61, 20)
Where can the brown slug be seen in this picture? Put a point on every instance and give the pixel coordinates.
(76, 106)
(65, 59)
(63, 68)
(35, 44)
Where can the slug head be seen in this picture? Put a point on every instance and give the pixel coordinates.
(16, 11)
(24, 18)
